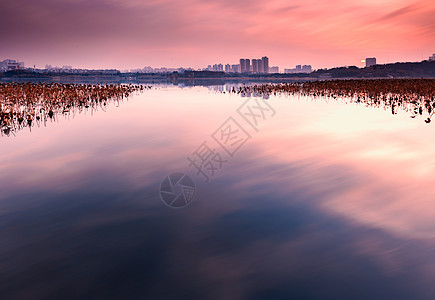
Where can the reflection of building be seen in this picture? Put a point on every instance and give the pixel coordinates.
(10, 64)
(370, 61)
(432, 58)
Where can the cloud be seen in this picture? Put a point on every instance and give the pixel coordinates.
(199, 32)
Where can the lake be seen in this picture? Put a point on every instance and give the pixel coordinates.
(192, 192)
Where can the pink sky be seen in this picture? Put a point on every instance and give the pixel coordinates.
(128, 34)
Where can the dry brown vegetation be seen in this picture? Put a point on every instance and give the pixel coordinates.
(26, 104)
(414, 95)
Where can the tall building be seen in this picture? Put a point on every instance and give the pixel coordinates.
(227, 68)
(265, 61)
(245, 65)
(370, 61)
(218, 68)
(432, 58)
(306, 68)
(255, 65)
(242, 65)
(260, 66)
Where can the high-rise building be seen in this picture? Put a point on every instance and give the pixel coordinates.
(265, 61)
(255, 65)
(248, 65)
(242, 65)
(245, 65)
(432, 58)
(218, 68)
(298, 68)
(227, 68)
(370, 61)
(260, 66)
(306, 68)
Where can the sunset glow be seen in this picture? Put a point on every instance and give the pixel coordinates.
(130, 33)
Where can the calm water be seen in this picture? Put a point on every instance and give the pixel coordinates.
(318, 200)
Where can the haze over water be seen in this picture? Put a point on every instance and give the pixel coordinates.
(327, 200)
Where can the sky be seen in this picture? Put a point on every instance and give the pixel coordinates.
(125, 34)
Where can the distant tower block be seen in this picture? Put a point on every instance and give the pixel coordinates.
(265, 61)
(370, 61)
(255, 65)
(245, 65)
(432, 58)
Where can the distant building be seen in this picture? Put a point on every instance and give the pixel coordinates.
(306, 69)
(260, 66)
(218, 68)
(274, 69)
(11, 64)
(299, 69)
(248, 65)
(255, 65)
(432, 58)
(245, 65)
(265, 60)
(235, 68)
(242, 65)
(227, 68)
(370, 61)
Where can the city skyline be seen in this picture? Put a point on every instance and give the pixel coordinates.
(191, 33)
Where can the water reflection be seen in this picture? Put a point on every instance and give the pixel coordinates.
(24, 104)
(316, 205)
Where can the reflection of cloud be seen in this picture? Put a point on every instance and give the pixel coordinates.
(296, 214)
